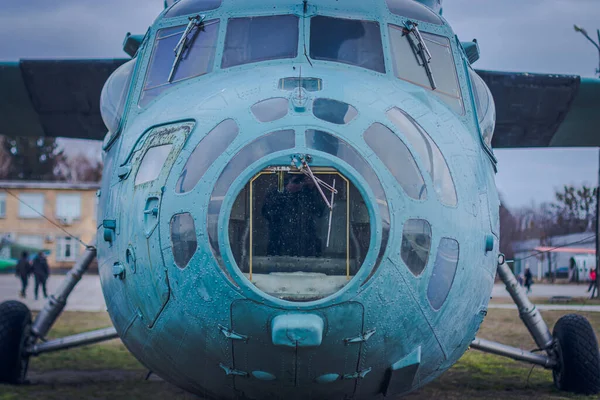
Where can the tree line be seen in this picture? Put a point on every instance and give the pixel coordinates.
(41, 159)
(573, 210)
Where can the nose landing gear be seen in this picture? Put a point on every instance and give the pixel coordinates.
(15, 328)
(577, 353)
(571, 350)
(19, 335)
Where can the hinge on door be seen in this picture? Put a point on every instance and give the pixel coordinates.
(230, 334)
(231, 371)
(110, 227)
(360, 338)
(123, 171)
(357, 375)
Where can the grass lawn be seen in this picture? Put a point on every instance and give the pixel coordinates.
(108, 371)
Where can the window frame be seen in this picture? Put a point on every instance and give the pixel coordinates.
(394, 26)
(156, 38)
(222, 49)
(26, 203)
(62, 242)
(382, 35)
(68, 195)
(436, 268)
(3, 205)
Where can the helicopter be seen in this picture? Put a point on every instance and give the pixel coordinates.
(298, 198)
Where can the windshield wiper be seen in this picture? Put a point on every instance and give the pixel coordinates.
(417, 43)
(195, 22)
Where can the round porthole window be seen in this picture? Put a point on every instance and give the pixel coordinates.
(299, 237)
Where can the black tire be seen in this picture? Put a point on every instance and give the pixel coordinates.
(578, 369)
(15, 328)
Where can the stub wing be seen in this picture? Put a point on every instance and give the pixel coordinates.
(539, 110)
(57, 98)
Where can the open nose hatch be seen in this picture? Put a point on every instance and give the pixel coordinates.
(299, 236)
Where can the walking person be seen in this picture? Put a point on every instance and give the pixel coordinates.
(593, 283)
(23, 271)
(40, 272)
(528, 279)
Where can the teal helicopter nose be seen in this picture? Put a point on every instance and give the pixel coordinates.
(307, 245)
(294, 214)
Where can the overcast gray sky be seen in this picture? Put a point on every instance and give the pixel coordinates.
(514, 35)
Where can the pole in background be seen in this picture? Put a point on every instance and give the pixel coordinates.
(598, 226)
(597, 46)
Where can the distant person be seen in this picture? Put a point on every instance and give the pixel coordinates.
(23, 271)
(593, 283)
(528, 279)
(41, 271)
(520, 279)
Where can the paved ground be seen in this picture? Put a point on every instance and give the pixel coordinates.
(87, 295)
(551, 307)
(546, 291)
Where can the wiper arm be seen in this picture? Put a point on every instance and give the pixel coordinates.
(301, 162)
(420, 49)
(195, 22)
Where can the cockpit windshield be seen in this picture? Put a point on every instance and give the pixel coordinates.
(347, 41)
(175, 58)
(436, 71)
(255, 39)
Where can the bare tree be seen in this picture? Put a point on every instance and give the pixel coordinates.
(81, 169)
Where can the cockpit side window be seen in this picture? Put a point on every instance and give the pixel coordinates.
(397, 158)
(205, 154)
(114, 96)
(196, 59)
(255, 39)
(444, 272)
(347, 41)
(486, 109)
(409, 67)
(416, 243)
(430, 155)
(185, 7)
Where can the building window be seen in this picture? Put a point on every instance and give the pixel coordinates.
(66, 249)
(2, 205)
(68, 206)
(31, 241)
(31, 205)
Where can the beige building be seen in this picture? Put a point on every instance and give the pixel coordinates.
(71, 206)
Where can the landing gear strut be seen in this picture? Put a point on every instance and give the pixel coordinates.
(571, 351)
(19, 336)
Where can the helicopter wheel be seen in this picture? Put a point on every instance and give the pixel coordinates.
(578, 368)
(15, 328)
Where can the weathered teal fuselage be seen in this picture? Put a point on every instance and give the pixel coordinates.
(170, 256)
